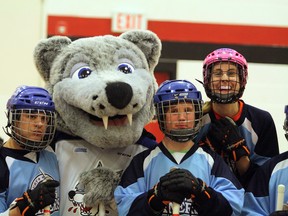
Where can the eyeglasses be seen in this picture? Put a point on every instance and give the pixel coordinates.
(229, 73)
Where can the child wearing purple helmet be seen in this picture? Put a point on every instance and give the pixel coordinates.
(199, 182)
(29, 168)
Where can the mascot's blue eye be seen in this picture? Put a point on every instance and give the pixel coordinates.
(125, 68)
(82, 73)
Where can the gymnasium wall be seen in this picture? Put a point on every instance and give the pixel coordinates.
(188, 29)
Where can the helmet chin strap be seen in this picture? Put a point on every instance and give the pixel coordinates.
(229, 98)
(29, 144)
(182, 135)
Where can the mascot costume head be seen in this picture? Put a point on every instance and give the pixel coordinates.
(103, 88)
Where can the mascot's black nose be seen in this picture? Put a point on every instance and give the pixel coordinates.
(119, 94)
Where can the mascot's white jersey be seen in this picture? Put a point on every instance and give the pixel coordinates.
(77, 156)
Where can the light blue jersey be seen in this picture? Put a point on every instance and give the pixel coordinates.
(147, 167)
(22, 170)
(261, 195)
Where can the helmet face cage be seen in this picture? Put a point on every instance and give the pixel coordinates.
(179, 110)
(31, 117)
(285, 126)
(230, 57)
(192, 115)
(32, 129)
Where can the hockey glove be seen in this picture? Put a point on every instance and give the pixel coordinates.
(40, 197)
(224, 137)
(160, 195)
(183, 181)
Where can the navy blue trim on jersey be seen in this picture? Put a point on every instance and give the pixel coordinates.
(261, 195)
(147, 167)
(263, 125)
(258, 129)
(14, 153)
(22, 170)
(147, 139)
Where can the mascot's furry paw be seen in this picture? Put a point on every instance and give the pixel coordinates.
(99, 185)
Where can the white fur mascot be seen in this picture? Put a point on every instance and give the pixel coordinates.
(103, 89)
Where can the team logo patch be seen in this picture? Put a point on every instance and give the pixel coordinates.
(80, 149)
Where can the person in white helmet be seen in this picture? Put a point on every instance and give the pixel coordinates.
(29, 177)
(245, 136)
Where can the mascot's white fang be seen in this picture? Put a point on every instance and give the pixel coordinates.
(103, 88)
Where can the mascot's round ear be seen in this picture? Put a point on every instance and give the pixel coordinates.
(46, 51)
(148, 42)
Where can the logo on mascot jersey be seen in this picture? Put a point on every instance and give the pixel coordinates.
(81, 149)
(78, 207)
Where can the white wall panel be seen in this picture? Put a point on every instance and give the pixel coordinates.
(256, 12)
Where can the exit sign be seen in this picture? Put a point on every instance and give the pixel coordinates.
(122, 22)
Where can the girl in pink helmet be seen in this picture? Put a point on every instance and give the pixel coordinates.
(244, 135)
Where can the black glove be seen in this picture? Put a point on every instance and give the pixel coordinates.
(279, 213)
(160, 195)
(186, 183)
(38, 198)
(224, 137)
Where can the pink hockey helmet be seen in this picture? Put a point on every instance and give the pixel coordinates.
(225, 55)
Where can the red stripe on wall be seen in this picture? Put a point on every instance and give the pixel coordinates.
(217, 33)
(78, 26)
(175, 31)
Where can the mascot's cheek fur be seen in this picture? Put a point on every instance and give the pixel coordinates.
(103, 90)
